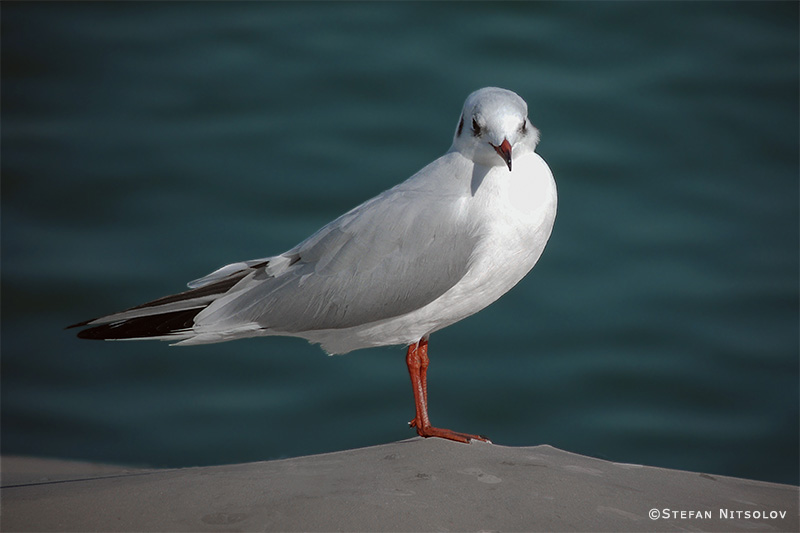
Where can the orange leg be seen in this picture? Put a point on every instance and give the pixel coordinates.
(417, 361)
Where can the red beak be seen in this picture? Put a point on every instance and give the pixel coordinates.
(504, 151)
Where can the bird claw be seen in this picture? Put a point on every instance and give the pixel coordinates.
(448, 434)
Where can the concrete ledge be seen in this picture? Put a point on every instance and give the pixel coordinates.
(413, 485)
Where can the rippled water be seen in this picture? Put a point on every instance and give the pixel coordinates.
(144, 145)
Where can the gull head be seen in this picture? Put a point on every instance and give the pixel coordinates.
(493, 127)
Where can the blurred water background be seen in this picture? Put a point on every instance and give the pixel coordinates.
(146, 144)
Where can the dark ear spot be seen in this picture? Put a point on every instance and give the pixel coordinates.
(476, 128)
(460, 126)
(524, 127)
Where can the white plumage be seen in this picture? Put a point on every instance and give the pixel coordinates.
(432, 250)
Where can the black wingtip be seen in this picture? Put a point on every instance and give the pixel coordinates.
(157, 325)
(216, 288)
(142, 327)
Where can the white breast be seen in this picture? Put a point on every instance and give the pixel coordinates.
(513, 214)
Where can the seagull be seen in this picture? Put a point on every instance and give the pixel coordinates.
(431, 251)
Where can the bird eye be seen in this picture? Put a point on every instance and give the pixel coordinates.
(476, 129)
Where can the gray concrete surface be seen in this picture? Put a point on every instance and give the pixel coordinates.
(413, 485)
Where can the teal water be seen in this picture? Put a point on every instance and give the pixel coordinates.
(144, 145)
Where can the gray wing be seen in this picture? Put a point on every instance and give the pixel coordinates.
(389, 256)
